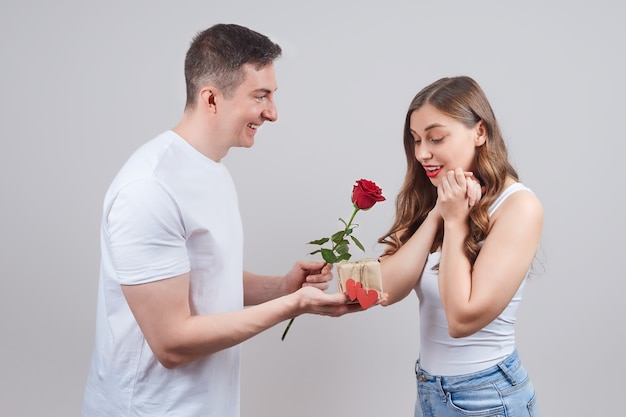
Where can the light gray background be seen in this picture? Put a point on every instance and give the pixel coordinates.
(83, 84)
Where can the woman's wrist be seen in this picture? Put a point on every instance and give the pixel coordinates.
(455, 226)
(434, 216)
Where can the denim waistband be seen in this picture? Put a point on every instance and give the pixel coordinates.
(506, 367)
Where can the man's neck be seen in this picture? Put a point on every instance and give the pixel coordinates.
(198, 134)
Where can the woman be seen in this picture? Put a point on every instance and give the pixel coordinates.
(464, 238)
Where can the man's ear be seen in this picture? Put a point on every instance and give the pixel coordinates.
(481, 134)
(207, 97)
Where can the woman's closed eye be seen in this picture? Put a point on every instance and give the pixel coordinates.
(431, 140)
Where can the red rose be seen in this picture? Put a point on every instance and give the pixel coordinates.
(365, 194)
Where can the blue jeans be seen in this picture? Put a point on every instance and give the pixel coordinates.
(502, 390)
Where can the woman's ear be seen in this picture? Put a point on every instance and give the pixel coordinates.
(481, 134)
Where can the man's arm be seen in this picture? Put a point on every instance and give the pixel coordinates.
(177, 337)
(261, 288)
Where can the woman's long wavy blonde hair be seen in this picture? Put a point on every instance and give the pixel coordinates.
(464, 100)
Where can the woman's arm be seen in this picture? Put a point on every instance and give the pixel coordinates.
(401, 271)
(472, 298)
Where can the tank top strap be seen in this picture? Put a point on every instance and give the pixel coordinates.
(518, 186)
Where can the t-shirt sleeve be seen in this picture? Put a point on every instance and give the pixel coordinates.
(146, 234)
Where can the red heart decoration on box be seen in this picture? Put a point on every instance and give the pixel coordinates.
(352, 288)
(366, 297)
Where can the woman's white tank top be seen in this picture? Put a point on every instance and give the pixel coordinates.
(441, 354)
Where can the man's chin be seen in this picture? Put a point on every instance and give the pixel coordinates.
(248, 143)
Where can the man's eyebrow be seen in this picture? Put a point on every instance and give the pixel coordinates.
(265, 90)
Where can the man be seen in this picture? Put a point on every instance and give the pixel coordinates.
(172, 288)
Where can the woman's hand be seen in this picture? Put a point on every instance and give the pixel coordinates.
(474, 189)
(458, 192)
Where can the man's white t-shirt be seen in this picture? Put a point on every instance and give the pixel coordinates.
(170, 210)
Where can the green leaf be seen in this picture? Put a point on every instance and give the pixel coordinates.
(343, 221)
(344, 256)
(343, 247)
(319, 241)
(337, 237)
(329, 256)
(356, 242)
(315, 251)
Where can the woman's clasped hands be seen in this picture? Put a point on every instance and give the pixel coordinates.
(457, 193)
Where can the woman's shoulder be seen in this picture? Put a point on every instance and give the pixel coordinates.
(516, 225)
(517, 200)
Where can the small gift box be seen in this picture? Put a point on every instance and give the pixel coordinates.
(361, 281)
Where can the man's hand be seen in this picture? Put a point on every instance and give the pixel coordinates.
(314, 301)
(307, 274)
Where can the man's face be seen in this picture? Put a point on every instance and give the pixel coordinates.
(251, 104)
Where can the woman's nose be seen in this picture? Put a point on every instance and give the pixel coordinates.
(422, 153)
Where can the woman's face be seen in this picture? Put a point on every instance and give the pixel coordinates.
(442, 143)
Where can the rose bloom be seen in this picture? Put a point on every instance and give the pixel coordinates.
(365, 194)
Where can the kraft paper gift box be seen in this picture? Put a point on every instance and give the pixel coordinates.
(361, 280)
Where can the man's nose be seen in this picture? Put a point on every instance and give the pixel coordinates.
(270, 113)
